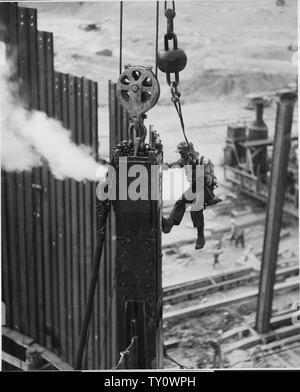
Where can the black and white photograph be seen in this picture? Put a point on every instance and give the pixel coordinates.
(149, 188)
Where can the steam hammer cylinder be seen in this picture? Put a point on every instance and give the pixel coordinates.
(138, 261)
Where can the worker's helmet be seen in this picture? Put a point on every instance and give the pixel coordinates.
(183, 146)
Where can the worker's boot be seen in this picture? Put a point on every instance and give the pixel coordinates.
(213, 201)
(167, 225)
(201, 239)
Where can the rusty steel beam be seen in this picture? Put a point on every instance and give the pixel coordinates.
(280, 158)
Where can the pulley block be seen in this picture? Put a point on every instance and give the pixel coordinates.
(138, 90)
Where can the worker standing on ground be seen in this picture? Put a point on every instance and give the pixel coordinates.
(217, 251)
(188, 159)
(236, 234)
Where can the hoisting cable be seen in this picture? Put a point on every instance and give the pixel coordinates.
(177, 104)
(121, 37)
(87, 347)
(156, 36)
(103, 208)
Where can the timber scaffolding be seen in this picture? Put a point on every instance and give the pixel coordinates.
(49, 225)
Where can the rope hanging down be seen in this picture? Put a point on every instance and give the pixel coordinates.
(126, 352)
(103, 208)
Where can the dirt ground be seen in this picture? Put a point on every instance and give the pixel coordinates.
(233, 48)
(181, 262)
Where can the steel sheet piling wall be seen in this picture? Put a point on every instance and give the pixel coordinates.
(118, 124)
(49, 225)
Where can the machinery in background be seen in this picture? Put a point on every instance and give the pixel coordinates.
(247, 159)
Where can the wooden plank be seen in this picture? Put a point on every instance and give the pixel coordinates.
(277, 335)
(183, 295)
(251, 294)
(74, 222)
(27, 342)
(282, 342)
(67, 231)
(60, 234)
(56, 361)
(17, 337)
(16, 362)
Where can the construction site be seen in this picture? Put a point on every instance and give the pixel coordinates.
(149, 185)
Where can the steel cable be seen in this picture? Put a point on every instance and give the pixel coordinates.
(121, 37)
(156, 36)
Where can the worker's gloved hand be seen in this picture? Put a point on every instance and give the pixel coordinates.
(209, 179)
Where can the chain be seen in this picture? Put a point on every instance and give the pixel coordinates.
(173, 5)
(170, 15)
(173, 82)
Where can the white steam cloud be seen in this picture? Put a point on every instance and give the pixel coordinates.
(30, 137)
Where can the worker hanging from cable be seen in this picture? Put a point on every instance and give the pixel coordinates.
(189, 158)
(172, 61)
